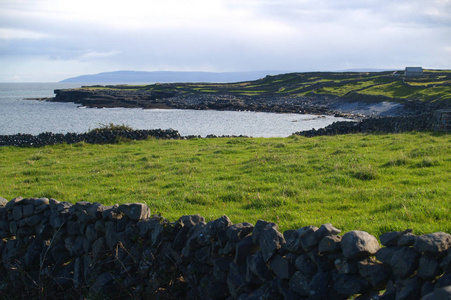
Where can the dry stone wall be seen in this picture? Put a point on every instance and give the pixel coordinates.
(423, 122)
(93, 137)
(56, 250)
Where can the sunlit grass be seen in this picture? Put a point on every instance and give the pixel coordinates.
(369, 182)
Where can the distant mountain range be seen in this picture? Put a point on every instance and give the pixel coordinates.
(169, 77)
(118, 77)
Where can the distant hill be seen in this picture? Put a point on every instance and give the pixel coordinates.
(169, 77)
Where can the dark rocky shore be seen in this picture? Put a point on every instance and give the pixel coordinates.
(318, 104)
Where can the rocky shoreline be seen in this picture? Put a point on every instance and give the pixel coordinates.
(369, 106)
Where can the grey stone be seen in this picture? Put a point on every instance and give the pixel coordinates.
(238, 231)
(257, 265)
(73, 228)
(221, 267)
(385, 254)
(349, 285)
(212, 228)
(33, 254)
(100, 226)
(330, 244)
(407, 239)
(41, 201)
(135, 211)
(347, 267)
(111, 235)
(245, 248)
(428, 267)
(446, 262)
(293, 243)
(326, 230)
(306, 266)
(358, 244)
(299, 283)
(190, 220)
(91, 233)
(111, 212)
(391, 238)
(24, 232)
(434, 243)
(308, 238)
(41, 208)
(82, 205)
(180, 238)
(408, 289)
(282, 267)
(53, 203)
(439, 294)
(33, 220)
(319, 285)
(13, 227)
(322, 261)
(376, 273)
(82, 217)
(132, 230)
(123, 240)
(28, 210)
(99, 246)
(213, 289)
(44, 231)
(236, 282)
(259, 227)
(268, 237)
(404, 262)
(444, 280)
(156, 236)
(98, 288)
(9, 206)
(95, 210)
(17, 212)
(3, 201)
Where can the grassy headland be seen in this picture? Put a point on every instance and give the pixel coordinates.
(434, 85)
(374, 183)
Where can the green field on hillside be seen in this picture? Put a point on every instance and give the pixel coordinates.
(374, 183)
(433, 86)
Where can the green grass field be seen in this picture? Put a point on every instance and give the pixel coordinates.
(375, 183)
(434, 86)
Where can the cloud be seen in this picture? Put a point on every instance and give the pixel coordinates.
(94, 55)
(12, 34)
(223, 35)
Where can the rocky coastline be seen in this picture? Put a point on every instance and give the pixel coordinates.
(359, 108)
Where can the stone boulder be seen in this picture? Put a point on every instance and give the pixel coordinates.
(434, 243)
(359, 244)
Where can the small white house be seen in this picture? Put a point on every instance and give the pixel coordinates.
(413, 71)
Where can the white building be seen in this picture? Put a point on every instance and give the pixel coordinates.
(413, 71)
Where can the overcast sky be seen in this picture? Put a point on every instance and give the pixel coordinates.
(50, 40)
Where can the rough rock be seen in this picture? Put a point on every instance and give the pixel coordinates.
(434, 243)
(238, 231)
(282, 267)
(330, 244)
(359, 244)
(439, 294)
(404, 262)
(428, 267)
(135, 211)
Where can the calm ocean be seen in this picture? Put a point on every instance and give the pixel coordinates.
(30, 116)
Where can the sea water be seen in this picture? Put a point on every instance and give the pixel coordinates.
(18, 115)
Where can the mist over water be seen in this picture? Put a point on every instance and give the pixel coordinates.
(33, 117)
